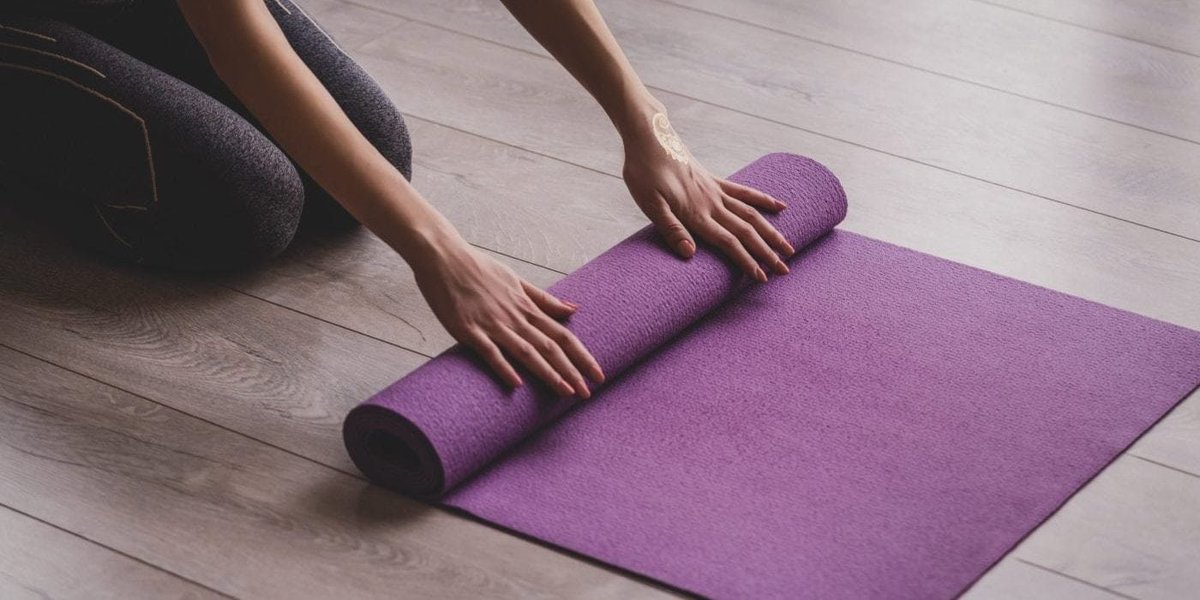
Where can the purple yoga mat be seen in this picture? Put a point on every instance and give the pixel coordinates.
(878, 423)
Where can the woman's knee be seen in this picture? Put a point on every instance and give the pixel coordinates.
(228, 221)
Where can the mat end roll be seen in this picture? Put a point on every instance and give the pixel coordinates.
(393, 452)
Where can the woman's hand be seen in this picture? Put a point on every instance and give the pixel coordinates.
(486, 306)
(681, 197)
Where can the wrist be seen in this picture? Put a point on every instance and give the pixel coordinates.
(423, 237)
(432, 247)
(634, 122)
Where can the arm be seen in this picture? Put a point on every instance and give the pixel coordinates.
(479, 301)
(674, 190)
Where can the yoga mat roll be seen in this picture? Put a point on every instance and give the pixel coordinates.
(443, 422)
(879, 423)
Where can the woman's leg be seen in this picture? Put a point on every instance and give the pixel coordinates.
(139, 163)
(158, 33)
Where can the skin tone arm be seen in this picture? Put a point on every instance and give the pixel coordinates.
(481, 302)
(679, 195)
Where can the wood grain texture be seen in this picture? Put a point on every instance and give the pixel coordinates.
(1084, 70)
(242, 517)
(248, 489)
(40, 561)
(1171, 24)
(1027, 145)
(269, 372)
(1133, 530)
(925, 208)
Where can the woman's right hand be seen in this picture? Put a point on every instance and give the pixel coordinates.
(488, 307)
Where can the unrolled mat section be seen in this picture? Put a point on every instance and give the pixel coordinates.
(878, 423)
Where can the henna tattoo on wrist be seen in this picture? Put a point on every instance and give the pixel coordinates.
(668, 139)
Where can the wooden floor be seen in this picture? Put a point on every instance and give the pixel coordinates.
(173, 435)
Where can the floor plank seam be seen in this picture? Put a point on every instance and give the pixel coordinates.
(1093, 29)
(1164, 465)
(517, 258)
(324, 320)
(1076, 579)
(352, 330)
(775, 122)
(929, 71)
(819, 134)
(136, 559)
(416, 117)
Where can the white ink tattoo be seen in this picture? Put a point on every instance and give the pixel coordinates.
(668, 138)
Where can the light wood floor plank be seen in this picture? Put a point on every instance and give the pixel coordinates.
(1095, 73)
(1023, 144)
(40, 561)
(1174, 24)
(893, 199)
(1012, 579)
(242, 517)
(1133, 530)
(1176, 440)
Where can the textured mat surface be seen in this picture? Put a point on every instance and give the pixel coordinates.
(878, 423)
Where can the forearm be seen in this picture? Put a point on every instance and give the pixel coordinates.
(254, 59)
(574, 32)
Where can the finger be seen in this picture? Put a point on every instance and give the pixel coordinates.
(554, 354)
(751, 196)
(762, 226)
(526, 354)
(555, 307)
(672, 229)
(572, 346)
(717, 235)
(753, 242)
(490, 353)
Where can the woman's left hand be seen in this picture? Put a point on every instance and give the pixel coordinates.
(682, 198)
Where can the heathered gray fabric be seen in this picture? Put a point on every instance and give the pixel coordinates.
(142, 152)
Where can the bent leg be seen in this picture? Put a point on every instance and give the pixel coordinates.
(138, 163)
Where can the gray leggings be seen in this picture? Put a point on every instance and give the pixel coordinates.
(134, 144)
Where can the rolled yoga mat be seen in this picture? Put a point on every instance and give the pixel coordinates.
(878, 423)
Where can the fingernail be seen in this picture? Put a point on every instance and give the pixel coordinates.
(783, 268)
(584, 392)
(571, 304)
(686, 248)
(760, 275)
(789, 249)
(780, 204)
(565, 388)
(599, 376)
